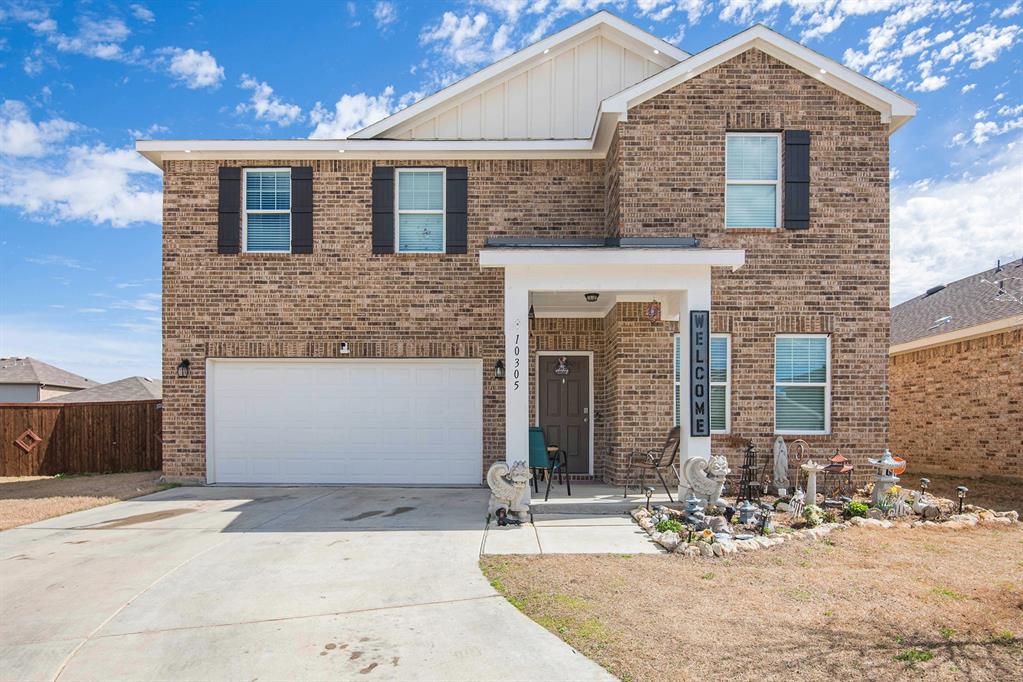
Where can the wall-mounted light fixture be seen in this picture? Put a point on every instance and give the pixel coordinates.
(592, 297)
(499, 369)
(184, 367)
(532, 314)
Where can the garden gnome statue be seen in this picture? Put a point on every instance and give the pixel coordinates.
(781, 466)
(811, 469)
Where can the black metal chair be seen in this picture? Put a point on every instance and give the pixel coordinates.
(657, 461)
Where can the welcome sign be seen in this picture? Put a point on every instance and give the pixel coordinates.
(699, 372)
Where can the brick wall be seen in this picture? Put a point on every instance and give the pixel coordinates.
(958, 408)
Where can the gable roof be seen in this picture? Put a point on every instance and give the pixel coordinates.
(37, 372)
(956, 309)
(132, 388)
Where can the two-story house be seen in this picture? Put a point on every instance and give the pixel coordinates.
(601, 234)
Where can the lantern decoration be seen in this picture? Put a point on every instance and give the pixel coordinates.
(184, 368)
(499, 369)
(592, 297)
(961, 494)
(648, 491)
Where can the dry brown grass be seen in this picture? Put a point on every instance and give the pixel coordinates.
(993, 492)
(33, 498)
(914, 604)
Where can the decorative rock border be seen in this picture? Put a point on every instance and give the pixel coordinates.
(672, 542)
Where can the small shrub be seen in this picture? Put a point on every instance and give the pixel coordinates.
(830, 516)
(668, 525)
(914, 656)
(856, 509)
(813, 515)
(946, 632)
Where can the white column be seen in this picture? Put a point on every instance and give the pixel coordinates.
(516, 362)
(697, 297)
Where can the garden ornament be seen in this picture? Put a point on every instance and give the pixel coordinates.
(781, 466)
(796, 503)
(900, 507)
(649, 492)
(766, 523)
(705, 478)
(747, 512)
(812, 469)
(886, 478)
(507, 485)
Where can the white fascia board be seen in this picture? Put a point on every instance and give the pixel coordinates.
(894, 108)
(597, 257)
(963, 334)
(592, 24)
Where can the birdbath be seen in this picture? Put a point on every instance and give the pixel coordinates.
(812, 469)
(886, 478)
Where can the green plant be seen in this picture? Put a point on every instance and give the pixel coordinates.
(668, 526)
(1003, 637)
(946, 592)
(914, 656)
(856, 509)
(813, 515)
(946, 632)
(830, 516)
(707, 576)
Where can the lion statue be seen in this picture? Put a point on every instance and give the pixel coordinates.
(507, 485)
(706, 478)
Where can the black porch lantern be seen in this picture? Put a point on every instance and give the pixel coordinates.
(184, 367)
(499, 369)
(592, 297)
(532, 315)
(961, 494)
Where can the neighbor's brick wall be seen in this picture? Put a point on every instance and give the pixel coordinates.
(958, 408)
(831, 278)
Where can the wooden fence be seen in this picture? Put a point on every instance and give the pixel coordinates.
(80, 438)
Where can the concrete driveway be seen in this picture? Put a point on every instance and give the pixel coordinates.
(267, 583)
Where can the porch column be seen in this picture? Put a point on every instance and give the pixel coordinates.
(697, 297)
(516, 362)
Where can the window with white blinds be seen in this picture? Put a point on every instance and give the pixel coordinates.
(720, 382)
(802, 384)
(420, 210)
(752, 179)
(266, 225)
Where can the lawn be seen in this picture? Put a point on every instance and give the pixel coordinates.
(34, 498)
(915, 604)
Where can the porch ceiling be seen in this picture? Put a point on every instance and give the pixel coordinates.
(574, 303)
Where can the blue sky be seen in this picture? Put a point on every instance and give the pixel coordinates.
(80, 211)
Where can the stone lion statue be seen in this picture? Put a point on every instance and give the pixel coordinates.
(506, 487)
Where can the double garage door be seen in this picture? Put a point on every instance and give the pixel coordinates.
(344, 421)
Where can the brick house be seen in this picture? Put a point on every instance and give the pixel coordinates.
(548, 241)
(956, 367)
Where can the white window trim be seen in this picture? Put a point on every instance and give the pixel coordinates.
(777, 183)
(727, 383)
(246, 211)
(443, 212)
(826, 384)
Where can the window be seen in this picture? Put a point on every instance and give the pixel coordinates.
(420, 210)
(802, 384)
(752, 179)
(266, 224)
(720, 382)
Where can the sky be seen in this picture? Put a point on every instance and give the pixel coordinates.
(80, 81)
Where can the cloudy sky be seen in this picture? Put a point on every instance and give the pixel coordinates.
(80, 211)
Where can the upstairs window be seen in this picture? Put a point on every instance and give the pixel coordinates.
(266, 222)
(720, 382)
(802, 384)
(420, 210)
(752, 179)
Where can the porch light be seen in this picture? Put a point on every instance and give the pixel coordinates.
(924, 482)
(592, 297)
(532, 315)
(184, 369)
(499, 369)
(961, 494)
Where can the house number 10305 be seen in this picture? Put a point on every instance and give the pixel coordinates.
(516, 361)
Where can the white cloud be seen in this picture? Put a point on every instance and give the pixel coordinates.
(981, 46)
(99, 38)
(460, 39)
(92, 311)
(931, 225)
(194, 69)
(62, 261)
(142, 13)
(146, 303)
(352, 113)
(92, 183)
(1010, 11)
(265, 105)
(931, 83)
(385, 14)
(21, 136)
(966, 88)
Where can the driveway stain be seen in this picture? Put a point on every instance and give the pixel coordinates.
(355, 656)
(140, 518)
(368, 668)
(399, 510)
(365, 515)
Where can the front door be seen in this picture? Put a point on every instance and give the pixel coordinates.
(564, 409)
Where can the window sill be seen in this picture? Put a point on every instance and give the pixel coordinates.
(753, 230)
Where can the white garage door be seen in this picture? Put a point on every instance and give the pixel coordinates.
(345, 421)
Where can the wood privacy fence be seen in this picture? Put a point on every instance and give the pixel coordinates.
(80, 438)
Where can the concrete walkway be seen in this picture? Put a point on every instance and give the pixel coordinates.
(267, 583)
(571, 534)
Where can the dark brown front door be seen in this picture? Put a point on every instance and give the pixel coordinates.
(564, 407)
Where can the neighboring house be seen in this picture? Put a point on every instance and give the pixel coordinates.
(27, 380)
(955, 375)
(384, 309)
(130, 389)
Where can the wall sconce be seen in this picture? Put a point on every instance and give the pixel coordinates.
(961, 494)
(532, 315)
(499, 369)
(592, 297)
(184, 367)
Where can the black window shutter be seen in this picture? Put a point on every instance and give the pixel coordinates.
(383, 209)
(797, 179)
(302, 209)
(456, 220)
(229, 223)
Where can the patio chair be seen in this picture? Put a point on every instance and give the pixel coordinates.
(547, 458)
(657, 460)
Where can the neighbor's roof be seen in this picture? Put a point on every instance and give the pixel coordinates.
(32, 371)
(132, 388)
(954, 310)
(372, 142)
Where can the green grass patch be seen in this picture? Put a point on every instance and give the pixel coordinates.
(946, 632)
(914, 656)
(570, 602)
(1003, 637)
(947, 593)
(707, 576)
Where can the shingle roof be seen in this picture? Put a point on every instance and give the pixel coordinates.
(32, 371)
(132, 388)
(964, 303)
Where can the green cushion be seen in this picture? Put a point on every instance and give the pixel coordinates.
(537, 447)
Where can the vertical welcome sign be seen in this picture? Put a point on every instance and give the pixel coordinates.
(699, 372)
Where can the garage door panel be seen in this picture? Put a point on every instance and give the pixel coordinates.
(346, 421)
